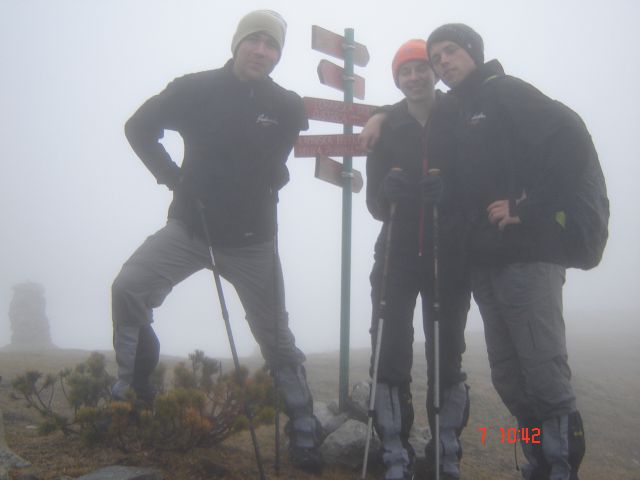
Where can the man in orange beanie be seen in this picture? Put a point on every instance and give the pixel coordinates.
(417, 136)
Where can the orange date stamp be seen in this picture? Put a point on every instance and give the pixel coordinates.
(514, 435)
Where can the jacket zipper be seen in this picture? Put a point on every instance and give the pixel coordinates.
(425, 172)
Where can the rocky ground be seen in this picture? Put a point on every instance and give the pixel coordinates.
(606, 378)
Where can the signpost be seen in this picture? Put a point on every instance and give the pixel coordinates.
(339, 145)
(337, 112)
(345, 145)
(334, 76)
(329, 170)
(333, 44)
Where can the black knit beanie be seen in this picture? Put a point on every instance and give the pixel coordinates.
(461, 35)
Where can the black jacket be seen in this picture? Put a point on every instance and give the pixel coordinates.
(406, 144)
(512, 140)
(237, 137)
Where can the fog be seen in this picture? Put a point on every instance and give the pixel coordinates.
(76, 201)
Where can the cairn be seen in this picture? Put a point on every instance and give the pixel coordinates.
(29, 322)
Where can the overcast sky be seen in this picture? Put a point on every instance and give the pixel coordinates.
(76, 201)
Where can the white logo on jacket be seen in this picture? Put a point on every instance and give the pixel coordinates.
(476, 118)
(265, 121)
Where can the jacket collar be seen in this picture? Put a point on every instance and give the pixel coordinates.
(231, 77)
(476, 79)
(400, 115)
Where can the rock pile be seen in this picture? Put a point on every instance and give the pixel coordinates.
(29, 322)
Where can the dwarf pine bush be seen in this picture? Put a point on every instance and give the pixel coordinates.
(204, 406)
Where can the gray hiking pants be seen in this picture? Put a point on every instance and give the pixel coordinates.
(170, 256)
(521, 307)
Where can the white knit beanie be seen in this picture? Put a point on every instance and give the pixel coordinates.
(266, 21)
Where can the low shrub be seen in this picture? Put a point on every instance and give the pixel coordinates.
(204, 406)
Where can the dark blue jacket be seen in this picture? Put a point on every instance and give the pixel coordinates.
(406, 144)
(512, 140)
(237, 137)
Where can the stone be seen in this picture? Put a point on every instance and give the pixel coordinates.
(8, 459)
(360, 394)
(118, 472)
(333, 407)
(345, 446)
(212, 469)
(327, 417)
(358, 402)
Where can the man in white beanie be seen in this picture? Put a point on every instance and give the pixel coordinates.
(238, 128)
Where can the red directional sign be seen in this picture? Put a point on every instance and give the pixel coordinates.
(338, 112)
(338, 145)
(332, 75)
(329, 170)
(333, 44)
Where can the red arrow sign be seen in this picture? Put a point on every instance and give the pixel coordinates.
(329, 170)
(338, 112)
(338, 145)
(333, 44)
(332, 75)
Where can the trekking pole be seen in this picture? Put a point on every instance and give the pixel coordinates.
(436, 331)
(376, 356)
(227, 324)
(276, 308)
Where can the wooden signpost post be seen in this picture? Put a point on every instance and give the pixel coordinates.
(346, 146)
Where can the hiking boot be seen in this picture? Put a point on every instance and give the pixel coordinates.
(145, 395)
(139, 395)
(397, 473)
(393, 417)
(531, 472)
(563, 445)
(430, 474)
(577, 445)
(407, 476)
(450, 471)
(120, 391)
(306, 459)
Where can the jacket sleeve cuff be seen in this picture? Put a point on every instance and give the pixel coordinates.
(527, 212)
(171, 178)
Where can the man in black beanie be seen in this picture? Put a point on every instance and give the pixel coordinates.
(518, 153)
(463, 36)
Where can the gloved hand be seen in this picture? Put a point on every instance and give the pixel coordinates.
(431, 189)
(397, 186)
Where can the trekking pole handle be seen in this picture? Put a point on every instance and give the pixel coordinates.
(393, 206)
